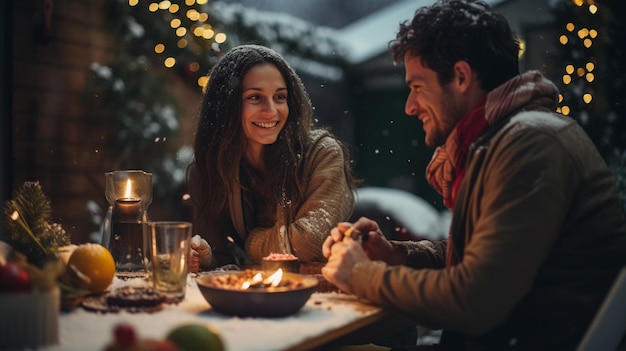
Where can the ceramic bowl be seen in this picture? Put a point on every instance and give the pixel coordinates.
(261, 302)
(291, 264)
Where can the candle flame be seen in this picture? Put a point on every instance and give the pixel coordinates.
(258, 278)
(276, 277)
(258, 281)
(129, 188)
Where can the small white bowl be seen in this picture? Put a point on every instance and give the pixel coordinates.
(29, 320)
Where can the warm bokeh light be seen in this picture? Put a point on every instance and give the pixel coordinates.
(522, 48)
(208, 33)
(194, 67)
(174, 8)
(169, 62)
(203, 17)
(202, 81)
(159, 48)
(193, 15)
(190, 2)
(164, 5)
(567, 79)
(175, 23)
(201, 2)
(133, 2)
(181, 31)
(182, 43)
(153, 7)
(220, 38)
(585, 69)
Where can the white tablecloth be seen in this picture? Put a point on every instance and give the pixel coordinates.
(83, 330)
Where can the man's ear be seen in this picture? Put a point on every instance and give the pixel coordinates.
(463, 76)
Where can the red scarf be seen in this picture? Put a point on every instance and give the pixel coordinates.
(450, 165)
(447, 167)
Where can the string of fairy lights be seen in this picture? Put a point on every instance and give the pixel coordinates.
(199, 29)
(582, 73)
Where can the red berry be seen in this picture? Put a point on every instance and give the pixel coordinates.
(124, 334)
(14, 278)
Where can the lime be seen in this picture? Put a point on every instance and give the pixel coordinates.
(193, 337)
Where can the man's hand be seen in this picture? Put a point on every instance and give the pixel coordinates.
(349, 244)
(371, 238)
(342, 258)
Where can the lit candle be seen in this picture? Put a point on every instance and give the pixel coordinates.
(127, 207)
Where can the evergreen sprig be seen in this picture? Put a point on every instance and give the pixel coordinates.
(29, 229)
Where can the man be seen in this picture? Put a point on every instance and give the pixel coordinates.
(538, 234)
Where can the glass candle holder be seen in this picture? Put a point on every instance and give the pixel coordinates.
(129, 193)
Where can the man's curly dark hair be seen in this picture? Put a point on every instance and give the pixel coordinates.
(453, 30)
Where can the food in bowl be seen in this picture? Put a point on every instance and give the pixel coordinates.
(286, 262)
(253, 293)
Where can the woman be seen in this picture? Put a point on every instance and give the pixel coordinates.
(264, 179)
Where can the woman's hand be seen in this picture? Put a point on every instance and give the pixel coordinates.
(193, 262)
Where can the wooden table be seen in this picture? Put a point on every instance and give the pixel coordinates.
(326, 319)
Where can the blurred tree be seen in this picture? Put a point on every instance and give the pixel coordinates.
(184, 37)
(153, 41)
(593, 80)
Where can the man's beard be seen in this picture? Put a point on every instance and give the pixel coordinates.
(450, 115)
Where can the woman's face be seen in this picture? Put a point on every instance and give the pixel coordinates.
(264, 105)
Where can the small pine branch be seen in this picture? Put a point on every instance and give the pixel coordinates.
(27, 220)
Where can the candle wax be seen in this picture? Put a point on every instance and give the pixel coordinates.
(127, 208)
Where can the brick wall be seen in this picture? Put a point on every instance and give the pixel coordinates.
(59, 130)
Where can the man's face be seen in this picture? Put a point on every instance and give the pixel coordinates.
(435, 105)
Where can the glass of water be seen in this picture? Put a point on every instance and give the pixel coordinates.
(169, 247)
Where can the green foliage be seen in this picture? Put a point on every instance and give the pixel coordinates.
(135, 90)
(28, 226)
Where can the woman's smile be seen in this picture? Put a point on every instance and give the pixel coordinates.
(266, 125)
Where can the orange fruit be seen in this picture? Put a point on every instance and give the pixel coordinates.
(96, 262)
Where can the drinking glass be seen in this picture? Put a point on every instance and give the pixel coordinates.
(170, 246)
